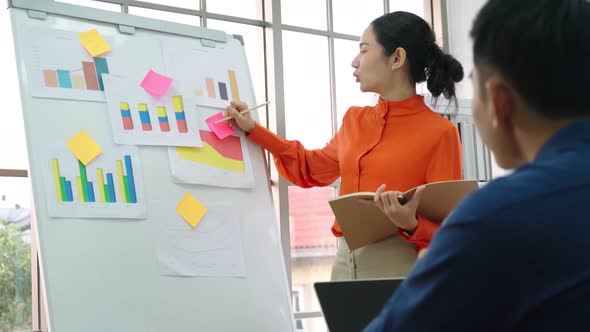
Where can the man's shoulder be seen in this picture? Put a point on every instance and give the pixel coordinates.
(508, 194)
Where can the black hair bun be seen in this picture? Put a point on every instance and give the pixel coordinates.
(442, 73)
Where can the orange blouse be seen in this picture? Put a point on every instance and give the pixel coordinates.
(400, 143)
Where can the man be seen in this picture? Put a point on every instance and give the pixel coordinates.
(515, 256)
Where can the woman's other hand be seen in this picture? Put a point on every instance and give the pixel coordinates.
(243, 121)
(403, 216)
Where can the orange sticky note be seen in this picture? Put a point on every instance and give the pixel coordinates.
(93, 42)
(191, 210)
(84, 147)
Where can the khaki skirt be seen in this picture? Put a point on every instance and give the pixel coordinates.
(392, 257)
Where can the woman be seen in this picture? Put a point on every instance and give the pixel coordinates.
(399, 142)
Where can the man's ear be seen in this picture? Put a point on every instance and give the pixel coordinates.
(398, 58)
(501, 100)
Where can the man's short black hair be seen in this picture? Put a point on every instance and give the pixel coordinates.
(542, 47)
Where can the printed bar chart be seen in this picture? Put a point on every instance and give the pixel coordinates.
(86, 78)
(139, 118)
(105, 191)
(221, 87)
(179, 114)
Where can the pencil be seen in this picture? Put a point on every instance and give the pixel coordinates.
(244, 112)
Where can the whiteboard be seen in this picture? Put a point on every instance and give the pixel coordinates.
(102, 274)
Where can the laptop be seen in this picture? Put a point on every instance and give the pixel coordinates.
(349, 306)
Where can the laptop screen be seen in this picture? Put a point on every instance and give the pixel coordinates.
(352, 305)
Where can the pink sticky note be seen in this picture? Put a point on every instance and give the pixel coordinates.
(156, 84)
(222, 129)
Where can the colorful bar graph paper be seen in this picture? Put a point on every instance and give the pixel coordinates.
(126, 116)
(163, 118)
(87, 78)
(144, 117)
(222, 90)
(104, 191)
(179, 114)
(210, 87)
(233, 84)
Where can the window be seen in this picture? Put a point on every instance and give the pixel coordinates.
(12, 130)
(254, 45)
(241, 8)
(162, 15)
(352, 18)
(15, 249)
(94, 4)
(304, 13)
(295, 298)
(348, 92)
(16, 297)
(189, 4)
(412, 6)
(313, 246)
(308, 116)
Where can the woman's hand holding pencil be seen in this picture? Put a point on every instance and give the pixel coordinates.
(239, 112)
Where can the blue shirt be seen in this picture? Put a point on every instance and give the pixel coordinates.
(513, 256)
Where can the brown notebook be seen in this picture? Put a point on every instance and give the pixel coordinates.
(363, 224)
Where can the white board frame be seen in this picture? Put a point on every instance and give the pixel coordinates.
(103, 275)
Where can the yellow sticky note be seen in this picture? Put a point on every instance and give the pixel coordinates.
(84, 147)
(191, 210)
(93, 42)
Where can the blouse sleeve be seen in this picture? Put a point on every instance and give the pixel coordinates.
(305, 168)
(445, 165)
